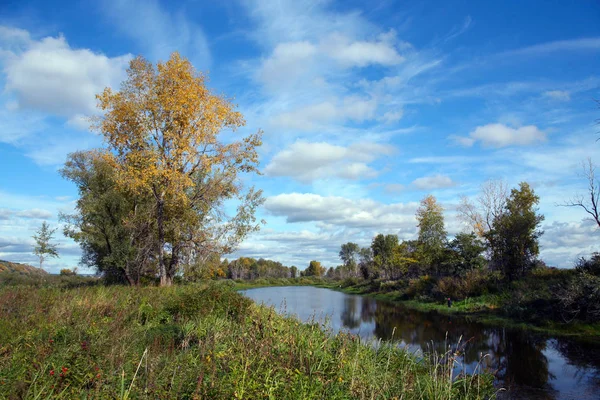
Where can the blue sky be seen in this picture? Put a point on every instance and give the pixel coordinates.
(366, 108)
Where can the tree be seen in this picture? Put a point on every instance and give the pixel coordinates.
(432, 234)
(294, 271)
(465, 254)
(348, 255)
(314, 269)
(590, 203)
(162, 129)
(488, 206)
(365, 262)
(43, 247)
(383, 247)
(515, 233)
(115, 229)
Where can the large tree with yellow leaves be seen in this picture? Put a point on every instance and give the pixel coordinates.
(164, 133)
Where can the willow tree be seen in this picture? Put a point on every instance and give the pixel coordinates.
(164, 132)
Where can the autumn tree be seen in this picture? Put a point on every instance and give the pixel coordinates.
(383, 247)
(114, 229)
(432, 234)
(515, 233)
(164, 131)
(44, 248)
(314, 269)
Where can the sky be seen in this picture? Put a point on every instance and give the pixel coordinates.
(366, 108)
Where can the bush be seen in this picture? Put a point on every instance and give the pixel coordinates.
(591, 266)
(580, 299)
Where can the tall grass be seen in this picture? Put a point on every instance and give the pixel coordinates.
(204, 341)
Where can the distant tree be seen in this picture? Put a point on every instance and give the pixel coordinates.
(515, 233)
(348, 255)
(489, 205)
(465, 254)
(589, 266)
(383, 248)
(294, 271)
(432, 234)
(365, 262)
(590, 203)
(330, 273)
(314, 269)
(68, 272)
(44, 248)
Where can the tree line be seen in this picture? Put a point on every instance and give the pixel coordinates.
(503, 236)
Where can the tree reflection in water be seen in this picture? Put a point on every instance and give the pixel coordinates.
(517, 357)
(532, 366)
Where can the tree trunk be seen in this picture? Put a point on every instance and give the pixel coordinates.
(162, 268)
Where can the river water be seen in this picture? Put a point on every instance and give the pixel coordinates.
(527, 365)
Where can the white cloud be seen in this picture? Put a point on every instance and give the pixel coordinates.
(433, 182)
(351, 108)
(50, 76)
(343, 212)
(558, 95)
(583, 44)
(35, 213)
(289, 63)
(310, 161)
(392, 116)
(361, 53)
(500, 135)
(564, 242)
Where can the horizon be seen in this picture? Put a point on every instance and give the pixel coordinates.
(366, 108)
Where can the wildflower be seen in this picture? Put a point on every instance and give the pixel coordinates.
(340, 379)
(64, 370)
(51, 372)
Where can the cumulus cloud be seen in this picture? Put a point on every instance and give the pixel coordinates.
(433, 182)
(564, 242)
(343, 212)
(500, 135)
(52, 77)
(288, 63)
(306, 161)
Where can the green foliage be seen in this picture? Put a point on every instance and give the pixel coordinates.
(432, 234)
(112, 228)
(43, 247)
(349, 256)
(68, 272)
(464, 253)
(122, 342)
(515, 233)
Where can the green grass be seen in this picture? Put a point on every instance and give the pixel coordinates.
(197, 341)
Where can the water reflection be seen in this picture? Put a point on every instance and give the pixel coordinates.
(528, 364)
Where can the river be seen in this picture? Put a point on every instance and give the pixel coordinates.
(527, 365)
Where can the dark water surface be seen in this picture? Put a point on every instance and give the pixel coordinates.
(529, 365)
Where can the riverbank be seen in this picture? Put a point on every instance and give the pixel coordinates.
(486, 309)
(197, 341)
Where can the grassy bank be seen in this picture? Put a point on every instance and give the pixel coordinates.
(524, 304)
(196, 342)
